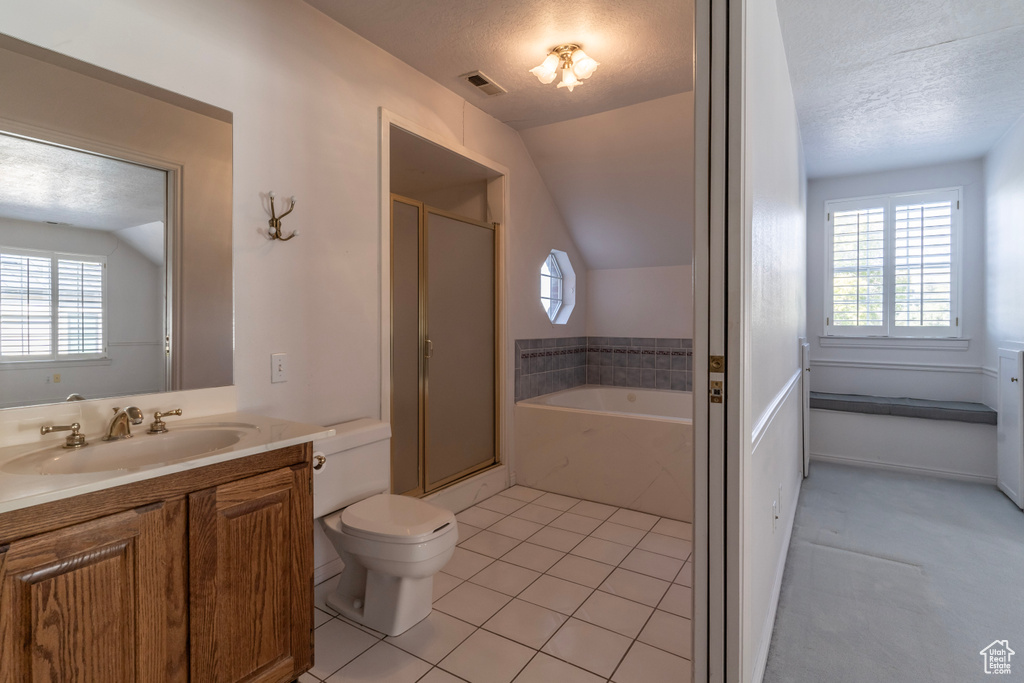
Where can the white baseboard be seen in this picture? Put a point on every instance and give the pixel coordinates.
(761, 661)
(332, 568)
(895, 467)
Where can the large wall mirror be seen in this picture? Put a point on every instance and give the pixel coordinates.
(115, 234)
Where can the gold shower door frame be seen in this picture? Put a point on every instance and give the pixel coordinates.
(423, 477)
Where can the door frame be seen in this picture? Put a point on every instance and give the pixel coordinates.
(498, 201)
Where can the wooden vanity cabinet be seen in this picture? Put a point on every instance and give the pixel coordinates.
(201, 576)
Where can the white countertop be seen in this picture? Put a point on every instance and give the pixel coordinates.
(25, 490)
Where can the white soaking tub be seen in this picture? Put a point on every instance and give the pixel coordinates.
(631, 448)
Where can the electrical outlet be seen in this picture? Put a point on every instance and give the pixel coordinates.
(56, 378)
(279, 367)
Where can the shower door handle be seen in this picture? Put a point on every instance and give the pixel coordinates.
(428, 348)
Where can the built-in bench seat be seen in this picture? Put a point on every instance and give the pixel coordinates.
(957, 411)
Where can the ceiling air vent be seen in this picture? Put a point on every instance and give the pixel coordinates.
(484, 84)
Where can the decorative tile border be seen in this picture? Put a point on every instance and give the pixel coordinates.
(544, 366)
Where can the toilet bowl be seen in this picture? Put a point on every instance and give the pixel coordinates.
(391, 547)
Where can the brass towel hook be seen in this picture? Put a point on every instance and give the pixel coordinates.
(275, 220)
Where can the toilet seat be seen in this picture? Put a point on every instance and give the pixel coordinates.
(396, 519)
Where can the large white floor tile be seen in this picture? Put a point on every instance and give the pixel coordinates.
(678, 600)
(525, 623)
(685, 575)
(619, 533)
(440, 676)
(537, 513)
(535, 557)
(487, 658)
(639, 520)
(321, 617)
(546, 669)
(652, 564)
(336, 644)
(478, 517)
(581, 570)
(490, 544)
(587, 646)
(444, 583)
(668, 632)
(307, 678)
(577, 523)
(522, 493)
(636, 587)
(595, 510)
(434, 638)
(465, 563)
(601, 550)
(520, 529)
(645, 664)
(614, 613)
(467, 531)
(382, 662)
(320, 592)
(666, 545)
(553, 500)
(557, 539)
(557, 594)
(671, 527)
(472, 603)
(501, 504)
(505, 578)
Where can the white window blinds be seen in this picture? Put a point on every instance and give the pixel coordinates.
(894, 265)
(51, 306)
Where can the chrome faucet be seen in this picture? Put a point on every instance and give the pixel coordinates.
(120, 425)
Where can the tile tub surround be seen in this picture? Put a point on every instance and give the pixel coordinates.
(544, 366)
(556, 589)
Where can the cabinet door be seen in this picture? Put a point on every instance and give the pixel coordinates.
(252, 578)
(102, 601)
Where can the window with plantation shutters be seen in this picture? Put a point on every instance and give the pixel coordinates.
(893, 266)
(51, 306)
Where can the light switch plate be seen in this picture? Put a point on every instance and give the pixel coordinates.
(278, 367)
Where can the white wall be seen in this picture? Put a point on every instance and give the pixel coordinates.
(305, 94)
(774, 221)
(952, 374)
(640, 302)
(1004, 255)
(134, 324)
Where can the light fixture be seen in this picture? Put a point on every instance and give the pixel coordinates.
(571, 60)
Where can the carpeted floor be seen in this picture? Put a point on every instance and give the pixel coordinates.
(898, 578)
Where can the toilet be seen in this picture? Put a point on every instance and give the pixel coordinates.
(391, 546)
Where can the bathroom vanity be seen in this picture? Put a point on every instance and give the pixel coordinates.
(196, 568)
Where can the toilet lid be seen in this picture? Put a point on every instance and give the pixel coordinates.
(399, 517)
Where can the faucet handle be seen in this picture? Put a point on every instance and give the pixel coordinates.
(158, 426)
(74, 440)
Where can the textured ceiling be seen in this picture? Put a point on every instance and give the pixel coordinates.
(41, 182)
(644, 47)
(882, 84)
(623, 181)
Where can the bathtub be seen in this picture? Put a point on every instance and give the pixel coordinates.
(631, 448)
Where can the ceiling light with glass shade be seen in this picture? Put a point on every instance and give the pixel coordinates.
(573, 63)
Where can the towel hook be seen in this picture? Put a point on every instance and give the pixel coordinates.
(275, 220)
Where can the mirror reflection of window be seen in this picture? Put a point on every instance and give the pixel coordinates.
(83, 274)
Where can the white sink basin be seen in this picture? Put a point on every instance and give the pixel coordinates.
(141, 450)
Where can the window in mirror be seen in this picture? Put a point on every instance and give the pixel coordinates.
(51, 306)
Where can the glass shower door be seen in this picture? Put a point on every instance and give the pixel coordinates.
(459, 348)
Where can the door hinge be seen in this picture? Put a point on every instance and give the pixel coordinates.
(958, 321)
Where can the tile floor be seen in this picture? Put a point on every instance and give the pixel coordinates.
(542, 588)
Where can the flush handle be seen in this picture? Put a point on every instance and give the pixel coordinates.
(428, 349)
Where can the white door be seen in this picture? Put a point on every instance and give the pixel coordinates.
(805, 403)
(1010, 439)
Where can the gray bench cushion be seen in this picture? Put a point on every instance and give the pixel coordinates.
(958, 411)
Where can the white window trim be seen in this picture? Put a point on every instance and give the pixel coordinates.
(556, 274)
(568, 288)
(887, 335)
(54, 359)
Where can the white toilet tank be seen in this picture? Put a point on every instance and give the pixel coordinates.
(358, 465)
